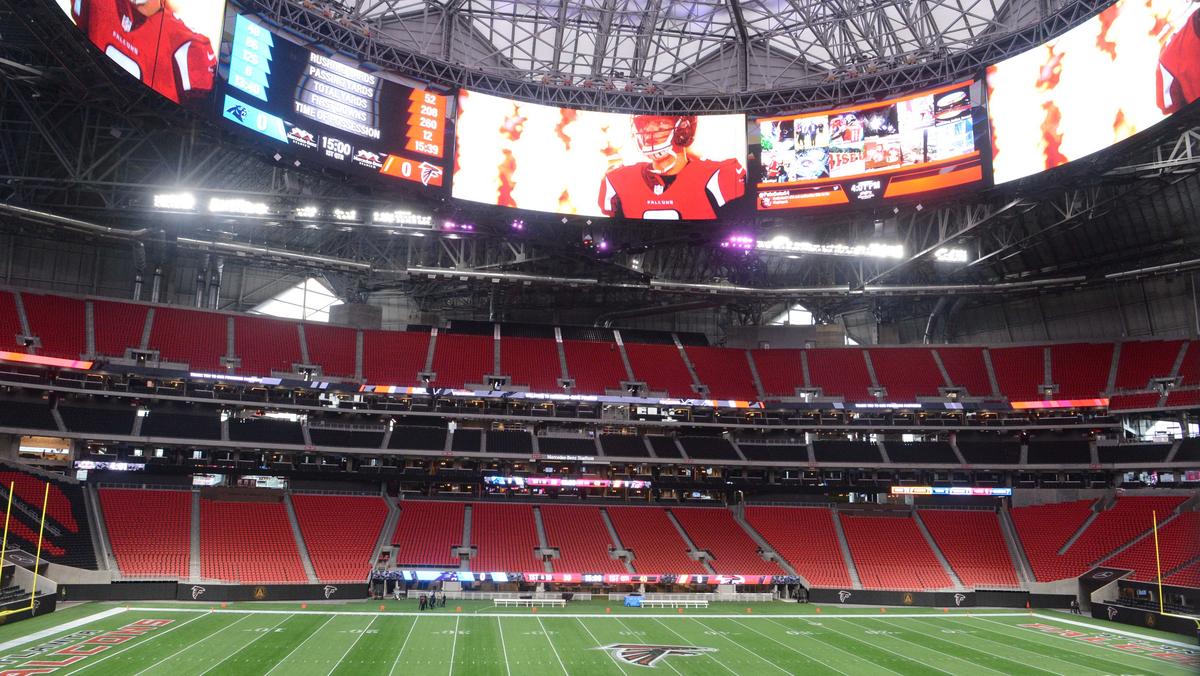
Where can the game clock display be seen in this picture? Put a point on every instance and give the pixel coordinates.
(333, 111)
(902, 147)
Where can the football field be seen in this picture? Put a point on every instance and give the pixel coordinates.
(586, 638)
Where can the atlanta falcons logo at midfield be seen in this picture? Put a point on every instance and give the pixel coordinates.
(647, 655)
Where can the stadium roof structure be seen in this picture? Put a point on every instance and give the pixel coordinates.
(89, 147)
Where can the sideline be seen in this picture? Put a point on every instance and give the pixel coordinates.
(1110, 630)
(727, 616)
(66, 626)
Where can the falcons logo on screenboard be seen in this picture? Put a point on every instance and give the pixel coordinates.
(646, 655)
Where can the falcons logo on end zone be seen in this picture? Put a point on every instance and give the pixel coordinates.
(647, 655)
(429, 172)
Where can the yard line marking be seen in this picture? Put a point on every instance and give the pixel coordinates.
(180, 651)
(1038, 637)
(133, 645)
(1073, 665)
(252, 642)
(726, 638)
(1111, 630)
(725, 616)
(773, 640)
(607, 652)
(708, 655)
(954, 657)
(838, 648)
(298, 645)
(906, 658)
(544, 633)
(504, 649)
(453, 646)
(402, 645)
(65, 626)
(352, 644)
(633, 634)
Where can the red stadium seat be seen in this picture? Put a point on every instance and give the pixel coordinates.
(890, 553)
(149, 530)
(248, 543)
(460, 359)
(506, 537)
(427, 531)
(733, 551)
(725, 371)
(661, 368)
(340, 533)
(582, 539)
(595, 366)
(973, 544)
(656, 545)
(532, 362)
(805, 538)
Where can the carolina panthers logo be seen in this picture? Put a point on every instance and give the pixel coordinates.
(959, 598)
(197, 591)
(843, 595)
(647, 655)
(330, 590)
(429, 172)
(238, 112)
(1112, 613)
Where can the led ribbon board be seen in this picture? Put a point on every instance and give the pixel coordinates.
(332, 112)
(951, 490)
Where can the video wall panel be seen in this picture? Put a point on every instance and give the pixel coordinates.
(1113, 76)
(864, 154)
(170, 45)
(333, 112)
(543, 158)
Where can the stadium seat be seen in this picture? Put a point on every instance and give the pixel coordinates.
(780, 371)
(1178, 544)
(906, 372)
(427, 531)
(1143, 360)
(595, 366)
(10, 323)
(194, 337)
(805, 537)
(248, 543)
(840, 372)
(393, 357)
(1080, 369)
(966, 368)
(582, 539)
(725, 371)
(661, 368)
(532, 362)
(656, 545)
(340, 533)
(266, 345)
(149, 530)
(973, 544)
(733, 551)
(60, 324)
(461, 358)
(333, 348)
(890, 553)
(505, 536)
(118, 326)
(1020, 371)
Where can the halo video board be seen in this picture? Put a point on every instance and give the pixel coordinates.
(331, 111)
(170, 46)
(559, 160)
(1116, 74)
(863, 154)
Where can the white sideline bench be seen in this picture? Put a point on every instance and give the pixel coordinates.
(529, 603)
(675, 603)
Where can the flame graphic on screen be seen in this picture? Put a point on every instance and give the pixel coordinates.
(508, 167)
(566, 117)
(1102, 42)
(1051, 70)
(1051, 136)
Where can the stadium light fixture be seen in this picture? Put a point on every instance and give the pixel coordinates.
(237, 205)
(182, 201)
(785, 244)
(950, 255)
(345, 214)
(309, 211)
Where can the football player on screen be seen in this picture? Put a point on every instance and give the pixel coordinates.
(147, 39)
(674, 183)
(1179, 67)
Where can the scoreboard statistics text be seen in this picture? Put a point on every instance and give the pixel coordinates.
(332, 111)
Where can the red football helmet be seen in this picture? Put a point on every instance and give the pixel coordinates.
(657, 135)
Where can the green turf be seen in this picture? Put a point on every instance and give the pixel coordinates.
(357, 638)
